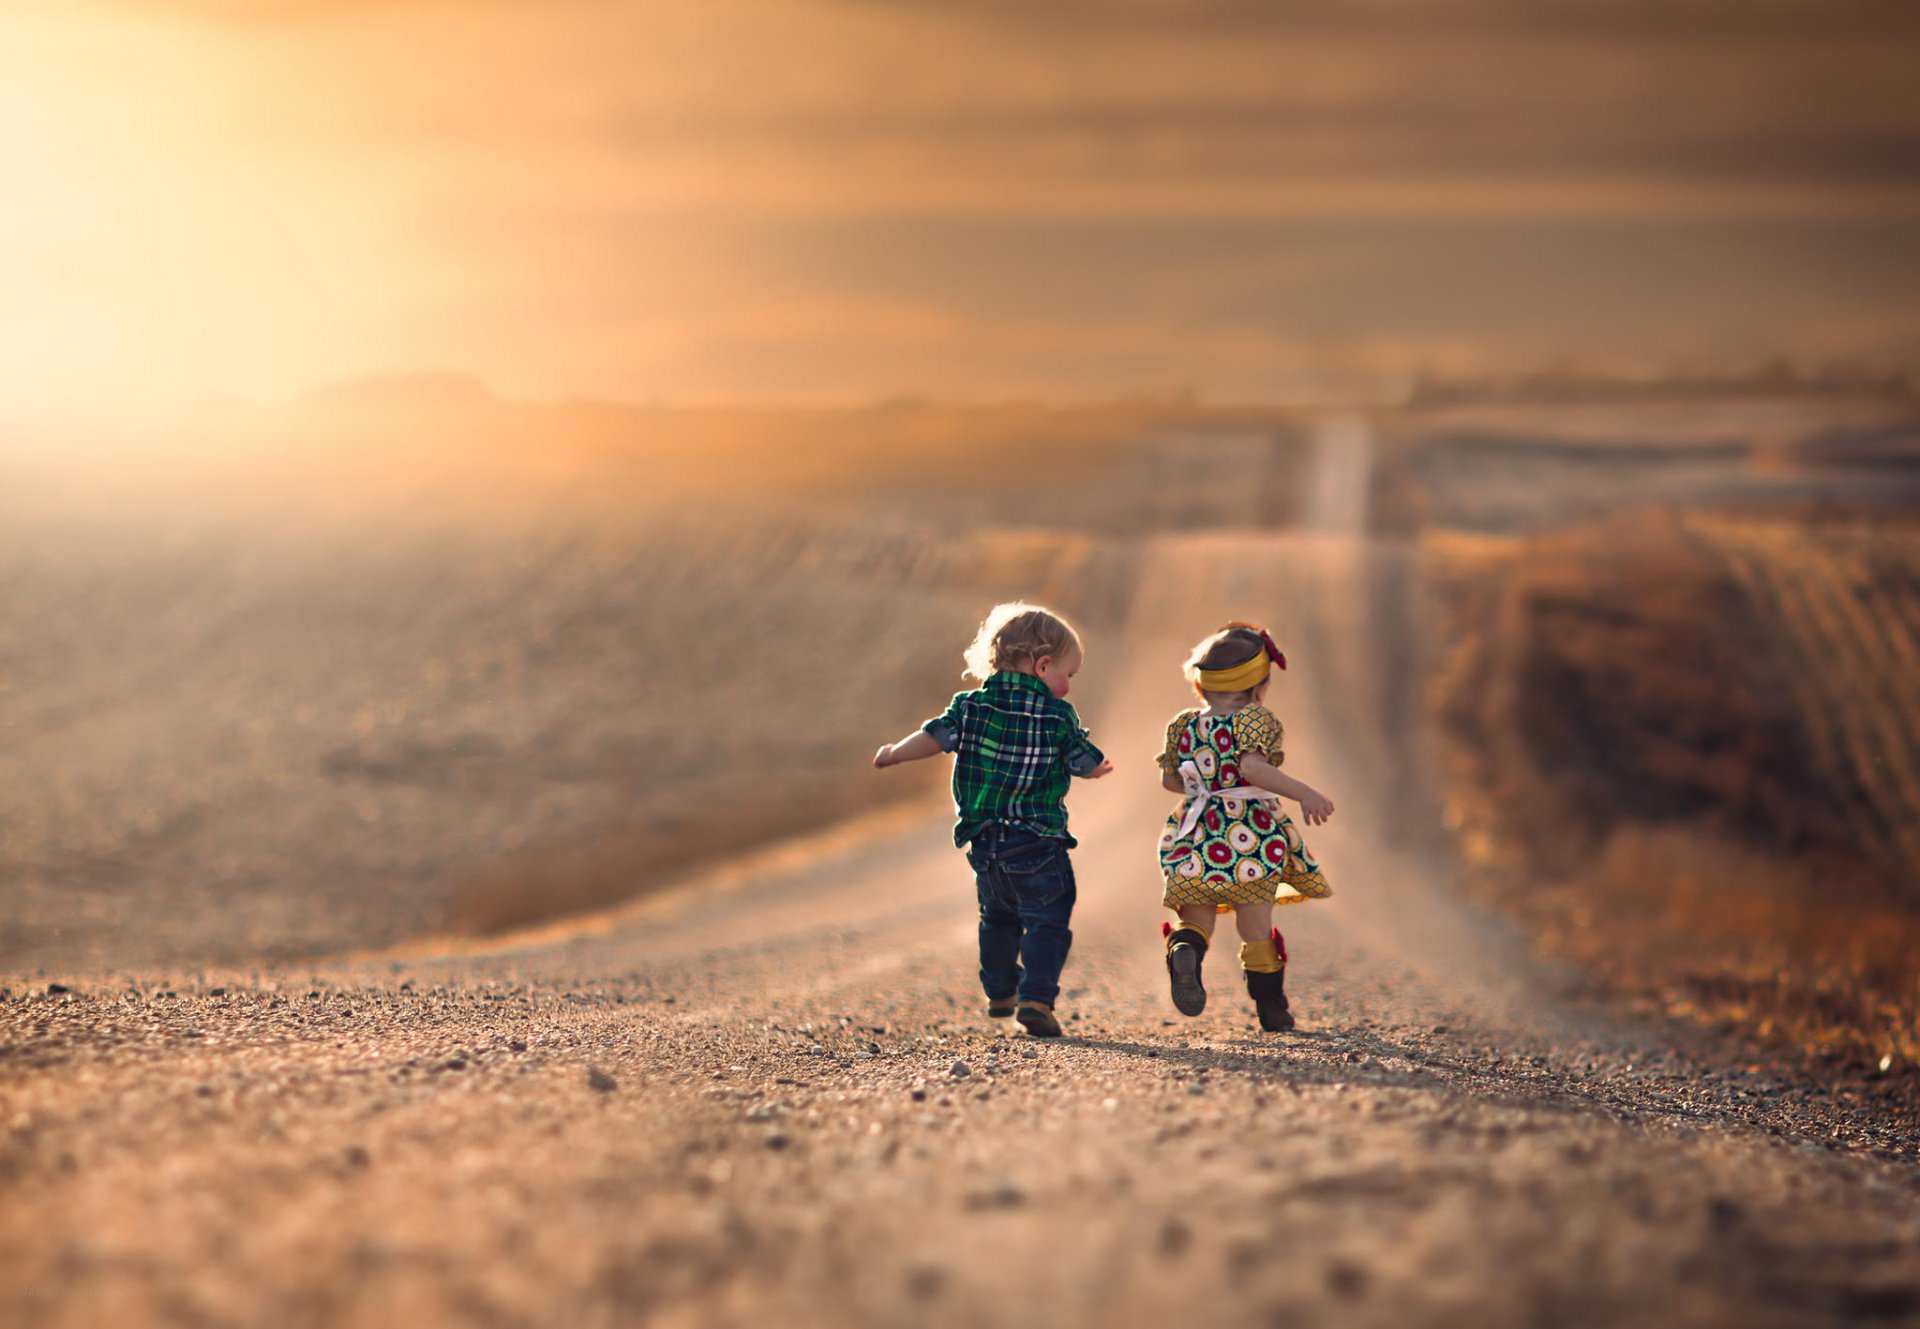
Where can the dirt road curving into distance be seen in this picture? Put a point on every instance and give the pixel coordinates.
(772, 1100)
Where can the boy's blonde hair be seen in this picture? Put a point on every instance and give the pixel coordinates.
(1018, 634)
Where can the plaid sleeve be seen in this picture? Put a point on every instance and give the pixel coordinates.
(947, 727)
(1256, 730)
(1082, 756)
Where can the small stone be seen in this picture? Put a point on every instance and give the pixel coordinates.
(203, 1091)
(919, 1095)
(453, 1064)
(1346, 1280)
(1196, 1089)
(874, 1048)
(777, 1140)
(600, 1082)
(925, 1281)
(1001, 1195)
(1029, 1054)
(56, 989)
(960, 1070)
(356, 1157)
(516, 1045)
(216, 992)
(1175, 1238)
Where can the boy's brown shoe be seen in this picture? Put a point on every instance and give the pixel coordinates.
(999, 1008)
(1038, 1019)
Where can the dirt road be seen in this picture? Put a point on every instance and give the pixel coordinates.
(772, 1099)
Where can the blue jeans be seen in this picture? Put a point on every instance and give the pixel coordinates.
(1026, 888)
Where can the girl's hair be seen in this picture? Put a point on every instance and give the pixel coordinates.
(1017, 634)
(1234, 644)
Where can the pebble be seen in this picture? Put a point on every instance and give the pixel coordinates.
(1346, 1280)
(777, 1140)
(1001, 1195)
(1029, 1054)
(600, 1082)
(960, 1070)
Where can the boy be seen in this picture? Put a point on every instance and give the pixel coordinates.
(1017, 744)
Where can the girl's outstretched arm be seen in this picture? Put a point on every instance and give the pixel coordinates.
(914, 747)
(1315, 806)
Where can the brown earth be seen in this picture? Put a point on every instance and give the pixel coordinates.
(769, 1097)
(1680, 747)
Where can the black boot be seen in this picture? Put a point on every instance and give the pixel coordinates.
(1186, 951)
(1269, 993)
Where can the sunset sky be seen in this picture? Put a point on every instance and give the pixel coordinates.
(836, 200)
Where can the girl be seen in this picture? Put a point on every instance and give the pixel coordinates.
(1229, 846)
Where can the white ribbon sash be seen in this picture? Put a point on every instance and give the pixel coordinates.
(1198, 796)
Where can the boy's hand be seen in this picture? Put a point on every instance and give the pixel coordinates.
(1316, 807)
(1104, 768)
(884, 757)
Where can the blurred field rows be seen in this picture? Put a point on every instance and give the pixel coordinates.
(411, 669)
(1845, 602)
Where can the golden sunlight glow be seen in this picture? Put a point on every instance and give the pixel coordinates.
(813, 200)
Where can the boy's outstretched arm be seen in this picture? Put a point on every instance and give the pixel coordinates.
(1315, 806)
(914, 747)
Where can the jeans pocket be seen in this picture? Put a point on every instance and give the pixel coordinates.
(1038, 876)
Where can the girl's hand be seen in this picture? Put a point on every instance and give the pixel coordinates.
(1104, 768)
(1316, 807)
(884, 757)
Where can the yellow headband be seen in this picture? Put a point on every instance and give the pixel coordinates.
(1239, 678)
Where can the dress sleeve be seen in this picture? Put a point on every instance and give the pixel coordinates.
(1169, 760)
(1256, 730)
(1082, 756)
(947, 727)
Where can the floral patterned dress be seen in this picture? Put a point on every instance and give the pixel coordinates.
(1241, 850)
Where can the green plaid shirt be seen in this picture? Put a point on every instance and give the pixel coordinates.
(1017, 747)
